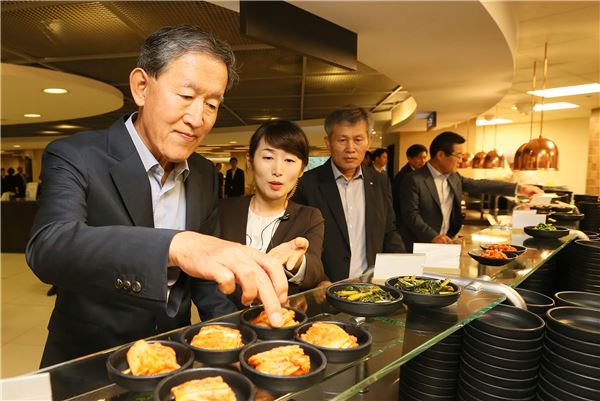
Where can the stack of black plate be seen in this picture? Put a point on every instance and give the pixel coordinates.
(570, 368)
(536, 302)
(500, 356)
(433, 374)
(591, 210)
(578, 198)
(583, 273)
(577, 298)
(543, 279)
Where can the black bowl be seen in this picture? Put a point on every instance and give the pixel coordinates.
(242, 387)
(339, 355)
(567, 352)
(512, 393)
(544, 234)
(425, 300)
(284, 384)
(272, 333)
(363, 308)
(117, 363)
(578, 298)
(519, 249)
(218, 357)
(563, 216)
(476, 254)
(567, 385)
(510, 322)
(573, 377)
(498, 371)
(495, 380)
(503, 342)
(506, 363)
(556, 391)
(501, 352)
(536, 302)
(566, 363)
(579, 323)
(483, 394)
(418, 366)
(577, 345)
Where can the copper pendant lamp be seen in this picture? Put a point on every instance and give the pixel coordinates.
(494, 158)
(467, 160)
(479, 157)
(518, 160)
(541, 153)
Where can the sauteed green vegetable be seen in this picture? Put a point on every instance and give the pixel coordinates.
(545, 227)
(421, 286)
(364, 293)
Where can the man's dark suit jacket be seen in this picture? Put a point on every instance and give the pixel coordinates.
(298, 221)
(421, 210)
(234, 186)
(93, 238)
(396, 185)
(318, 188)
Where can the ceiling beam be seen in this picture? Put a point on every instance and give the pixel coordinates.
(233, 113)
(385, 99)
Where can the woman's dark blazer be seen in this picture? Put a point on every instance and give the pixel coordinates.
(298, 221)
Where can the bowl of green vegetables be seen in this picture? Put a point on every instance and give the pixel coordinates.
(364, 299)
(425, 292)
(543, 230)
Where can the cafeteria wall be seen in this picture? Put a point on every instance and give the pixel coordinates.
(570, 136)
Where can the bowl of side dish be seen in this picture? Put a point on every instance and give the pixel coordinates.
(129, 368)
(283, 366)
(425, 292)
(256, 319)
(491, 257)
(546, 231)
(218, 343)
(340, 342)
(206, 383)
(364, 299)
(511, 248)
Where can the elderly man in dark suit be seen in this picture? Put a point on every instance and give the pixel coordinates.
(431, 195)
(355, 202)
(127, 218)
(417, 156)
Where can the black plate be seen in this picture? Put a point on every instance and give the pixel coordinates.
(337, 355)
(497, 380)
(572, 377)
(284, 384)
(580, 323)
(577, 345)
(270, 333)
(504, 342)
(419, 377)
(506, 363)
(511, 393)
(481, 394)
(567, 352)
(363, 308)
(578, 298)
(476, 254)
(218, 357)
(568, 386)
(498, 371)
(449, 364)
(417, 366)
(242, 387)
(569, 364)
(500, 352)
(519, 249)
(544, 234)
(510, 322)
(425, 300)
(535, 299)
(563, 216)
(417, 393)
(407, 381)
(117, 363)
(553, 389)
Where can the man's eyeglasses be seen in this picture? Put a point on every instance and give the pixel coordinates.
(459, 156)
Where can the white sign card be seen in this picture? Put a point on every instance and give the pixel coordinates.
(389, 265)
(524, 218)
(33, 387)
(444, 257)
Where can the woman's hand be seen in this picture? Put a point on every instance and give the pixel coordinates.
(290, 253)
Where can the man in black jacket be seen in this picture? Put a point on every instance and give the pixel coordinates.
(417, 156)
(355, 202)
(234, 179)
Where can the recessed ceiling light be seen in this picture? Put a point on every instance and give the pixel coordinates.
(555, 106)
(16, 146)
(32, 115)
(55, 91)
(232, 142)
(493, 121)
(49, 132)
(67, 126)
(567, 90)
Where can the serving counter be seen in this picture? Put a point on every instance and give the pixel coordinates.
(396, 338)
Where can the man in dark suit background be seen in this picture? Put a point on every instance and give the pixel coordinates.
(221, 179)
(417, 156)
(355, 202)
(234, 179)
(127, 218)
(431, 195)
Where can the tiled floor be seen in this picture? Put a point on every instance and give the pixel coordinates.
(25, 313)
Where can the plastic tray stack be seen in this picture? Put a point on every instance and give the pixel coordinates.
(583, 273)
(570, 367)
(500, 356)
(536, 302)
(433, 374)
(543, 280)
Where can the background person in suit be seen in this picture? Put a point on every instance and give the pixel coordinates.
(221, 179)
(417, 156)
(355, 202)
(268, 220)
(431, 195)
(127, 245)
(380, 159)
(234, 179)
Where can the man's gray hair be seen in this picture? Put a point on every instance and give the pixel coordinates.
(169, 43)
(348, 115)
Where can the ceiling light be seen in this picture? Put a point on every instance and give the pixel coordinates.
(50, 132)
(567, 90)
(68, 126)
(555, 106)
(55, 91)
(32, 115)
(232, 142)
(16, 146)
(493, 121)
